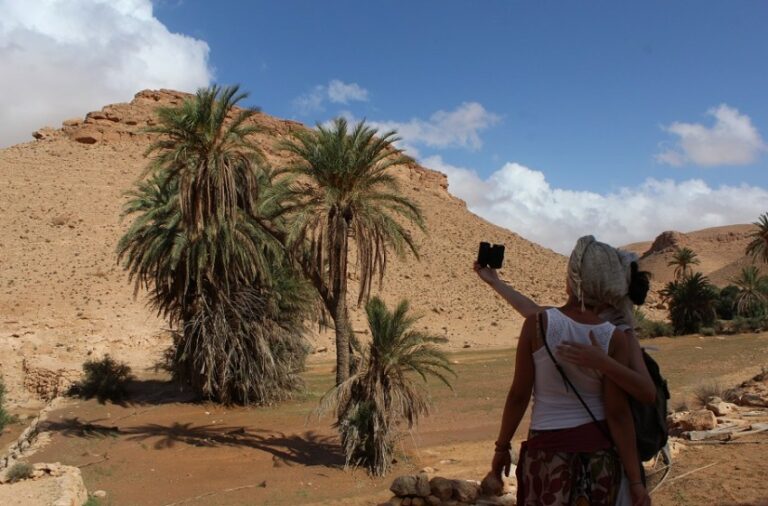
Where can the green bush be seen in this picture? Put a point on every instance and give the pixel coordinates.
(741, 324)
(5, 417)
(692, 302)
(654, 328)
(708, 331)
(19, 471)
(726, 302)
(105, 379)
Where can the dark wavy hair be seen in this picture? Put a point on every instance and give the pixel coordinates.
(639, 284)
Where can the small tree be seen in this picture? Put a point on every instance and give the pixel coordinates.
(758, 246)
(383, 394)
(683, 259)
(692, 301)
(751, 299)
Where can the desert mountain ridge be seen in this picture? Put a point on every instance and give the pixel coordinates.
(721, 252)
(64, 298)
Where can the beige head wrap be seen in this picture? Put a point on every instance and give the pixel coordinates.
(600, 274)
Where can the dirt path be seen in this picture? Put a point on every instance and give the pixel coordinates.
(163, 450)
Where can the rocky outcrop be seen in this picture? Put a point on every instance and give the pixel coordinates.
(50, 484)
(666, 241)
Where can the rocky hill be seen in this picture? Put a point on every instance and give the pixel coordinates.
(719, 249)
(63, 297)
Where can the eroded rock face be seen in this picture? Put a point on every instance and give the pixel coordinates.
(665, 241)
(46, 382)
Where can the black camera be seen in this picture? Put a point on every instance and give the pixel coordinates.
(490, 255)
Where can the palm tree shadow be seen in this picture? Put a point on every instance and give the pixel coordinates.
(308, 449)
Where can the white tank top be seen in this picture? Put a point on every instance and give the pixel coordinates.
(554, 406)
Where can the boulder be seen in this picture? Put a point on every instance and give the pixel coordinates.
(492, 485)
(432, 500)
(442, 488)
(411, 485)
(418, 501)
(720, 407)
(702, 419)
(466, 491)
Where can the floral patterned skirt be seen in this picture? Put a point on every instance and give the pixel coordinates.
(550, 477)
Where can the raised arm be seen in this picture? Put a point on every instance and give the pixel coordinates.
(620, 422)
(634, 378)
(522, 304)
(517, 399)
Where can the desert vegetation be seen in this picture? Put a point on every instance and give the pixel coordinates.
(239, 256)
(5, 417)
(343, 196)
(383, 394)
(104, 379)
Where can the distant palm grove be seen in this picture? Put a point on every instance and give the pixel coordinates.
(241, 257)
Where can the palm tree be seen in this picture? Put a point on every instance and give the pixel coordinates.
(753, 288)
(344, 196)
(197, 245)
(384, 393)
(206, 146)
(758, 246)
(682, 259)
(692, 300)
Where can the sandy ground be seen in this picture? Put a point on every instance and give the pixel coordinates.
(161, 449)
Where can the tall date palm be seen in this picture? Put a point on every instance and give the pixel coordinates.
(683, 259)
(197, 245)
(345, 198)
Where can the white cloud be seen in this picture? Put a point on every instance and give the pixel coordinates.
(522, 200)
(732, 140)
(341, 93)
(336, 91)
(63, 58)
(457, 128)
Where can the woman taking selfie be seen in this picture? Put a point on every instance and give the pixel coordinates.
(582, 433)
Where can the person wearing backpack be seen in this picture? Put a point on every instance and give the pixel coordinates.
(614, 289)
(642, 379)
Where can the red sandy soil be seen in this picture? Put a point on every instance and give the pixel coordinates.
(160, 450)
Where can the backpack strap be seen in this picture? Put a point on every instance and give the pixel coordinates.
(543, 336)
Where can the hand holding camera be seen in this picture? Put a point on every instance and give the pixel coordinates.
(489, 258)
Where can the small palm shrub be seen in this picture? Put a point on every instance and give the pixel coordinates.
(692, 301)
(385, 393)
(19, 471)
(105, 379)
(751, 299)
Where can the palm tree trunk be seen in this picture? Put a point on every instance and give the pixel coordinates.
(339, 311)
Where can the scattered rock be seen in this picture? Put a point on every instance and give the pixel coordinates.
(682, 421)
(411, 485)
(492, 485)
(466, 491)
(442, 488)
(100, 494)
(720, 407)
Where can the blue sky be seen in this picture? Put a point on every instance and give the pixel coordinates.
(550, 118)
